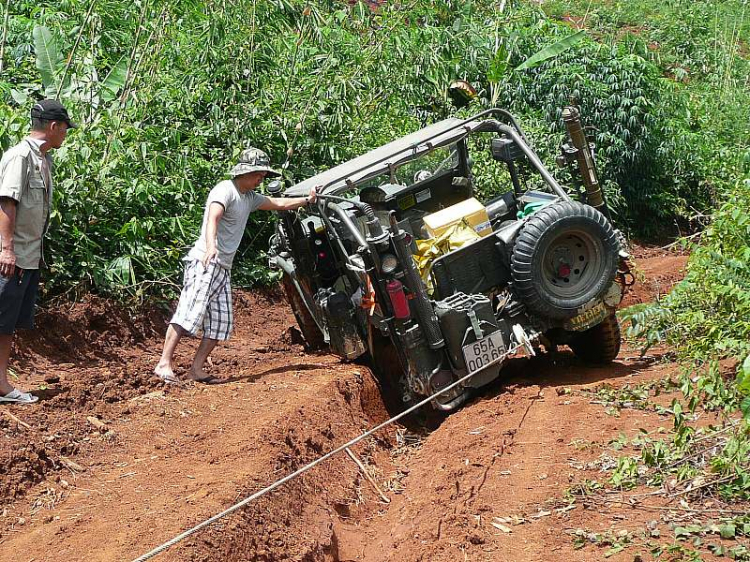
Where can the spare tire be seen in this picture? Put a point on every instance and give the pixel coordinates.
(565, 256)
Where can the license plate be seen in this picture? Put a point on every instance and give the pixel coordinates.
(587, 319)
(483, 352)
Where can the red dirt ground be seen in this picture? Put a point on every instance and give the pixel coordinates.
(162, 459)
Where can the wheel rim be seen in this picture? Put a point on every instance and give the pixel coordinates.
(572, 264)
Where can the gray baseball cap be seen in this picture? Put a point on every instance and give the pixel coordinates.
(253, 160)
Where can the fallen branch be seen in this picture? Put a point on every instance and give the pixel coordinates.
(15, 419)
(74, 466)
(705, 485)
(369, 478)
(603, 502)
(684, 238)
(692, 456)
(731, 424)
(97, 423)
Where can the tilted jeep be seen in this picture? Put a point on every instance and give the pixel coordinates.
(398, 259)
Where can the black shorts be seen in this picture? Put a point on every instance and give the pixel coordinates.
(18, 300)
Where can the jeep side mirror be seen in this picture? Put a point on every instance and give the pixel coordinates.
(505, 149)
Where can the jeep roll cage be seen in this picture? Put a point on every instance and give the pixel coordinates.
(384, 159)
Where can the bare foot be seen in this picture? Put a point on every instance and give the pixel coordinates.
(165, 372)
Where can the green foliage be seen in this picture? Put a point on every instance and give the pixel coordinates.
(708, 314)
(551, 51)
(637, 116)
(47, 59)
(169, 94)
(625, 473)
(689, 39)
(706, 317)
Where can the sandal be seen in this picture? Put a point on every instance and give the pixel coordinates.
(211, 379)
(168, 379)
(15, 396)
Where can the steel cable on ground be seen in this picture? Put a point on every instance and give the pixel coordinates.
(256, 495)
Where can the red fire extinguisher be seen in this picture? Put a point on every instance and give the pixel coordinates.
(398, 299)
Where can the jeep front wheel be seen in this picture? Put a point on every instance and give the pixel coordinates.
(310, 331)
(598, 345)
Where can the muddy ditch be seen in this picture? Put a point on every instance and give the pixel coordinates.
(298, 521)
(505, 453)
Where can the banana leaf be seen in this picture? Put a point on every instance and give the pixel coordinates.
(115, 80)
(551, 51)
(47, 58)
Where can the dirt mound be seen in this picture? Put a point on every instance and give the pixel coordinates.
(91, 329)
(92, 358)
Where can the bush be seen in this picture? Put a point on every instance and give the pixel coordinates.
(169, 94)
(707, 315)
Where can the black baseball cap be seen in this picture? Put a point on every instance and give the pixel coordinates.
(52, 110)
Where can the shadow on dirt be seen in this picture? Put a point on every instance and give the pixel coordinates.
(545, 370)
(252, 377)
(561, 368)
(554, 370)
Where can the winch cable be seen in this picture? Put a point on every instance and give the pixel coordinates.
(256, 495)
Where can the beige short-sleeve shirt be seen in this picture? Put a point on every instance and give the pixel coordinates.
(24, 179)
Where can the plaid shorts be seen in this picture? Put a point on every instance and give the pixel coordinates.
(206, 301)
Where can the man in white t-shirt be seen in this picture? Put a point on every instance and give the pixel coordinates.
(206, 299)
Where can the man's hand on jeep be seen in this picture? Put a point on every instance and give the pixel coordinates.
(7, 262)
(313, 195)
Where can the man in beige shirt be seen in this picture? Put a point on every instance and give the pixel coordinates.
(25, 202)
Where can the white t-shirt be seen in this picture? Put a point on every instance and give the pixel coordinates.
(237, 209)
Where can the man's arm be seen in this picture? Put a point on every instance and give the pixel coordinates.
(7, 227)
(12, 182)
(287, 204)
(215, 212)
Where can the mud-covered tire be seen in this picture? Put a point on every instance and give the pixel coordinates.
(386, 362)
(598, 345)
(310, 331)
(565, 256)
